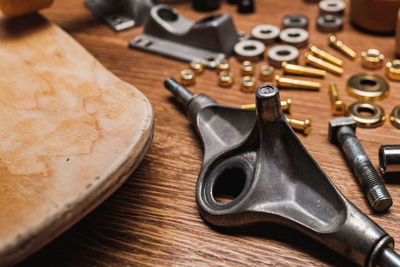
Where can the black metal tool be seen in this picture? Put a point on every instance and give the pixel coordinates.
(256, 157)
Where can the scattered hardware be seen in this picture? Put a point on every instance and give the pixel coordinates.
(242, 141)
(372, 59)
(251, 50)
(329, 23)
(285, 105)
(342, 133)
(367, 114)
(319, 63)
(121, 15)
(245, 6)
(283, 82)
(196, 66)
(395, 117)
(268, 34)
(393, 69)
(266, 73)
(298, 125)
(333, 7)
(223, 66)
(248, 84)
(168, 33)
(389, 159)
(247, 68)
(282, 53)
(206, 5)
(340, 46)
(368, 87)
(295, 21)
(188, 77)
(294, 36)
(226, 79)
(315, 51)
(301, 70)
(337, 105)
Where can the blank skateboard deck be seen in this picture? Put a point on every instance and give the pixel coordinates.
(70, 134)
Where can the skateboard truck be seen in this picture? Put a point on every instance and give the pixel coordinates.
(256, 158)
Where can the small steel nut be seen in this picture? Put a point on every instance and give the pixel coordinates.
(294, 36)
(334, 7)
(329, 23)
(295, 21)
(268, 34)
(251, 50)
(247, 68)
(248, 84)
(395, 117)
(368, 87)
(266, 73)
(282, 53)
(225, 79)
(223, 66)
(372, 59)
(367, 114)
(196, 66)
(393, 69)
(188, 77)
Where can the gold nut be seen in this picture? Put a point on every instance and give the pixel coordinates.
(248, 84)
(285, 105)
(223, 66)
(372, 59)
(368, 87)
(325, 55)
(340, 46)
(196, 66)
(319, 63)
(266, 73)
(188, 77)
(395, 117)
(225, 79)
(299, 125)
(300, 70)
(367, 114)
(337, 105)
(393, 69)
(247, 68)
(283, 82)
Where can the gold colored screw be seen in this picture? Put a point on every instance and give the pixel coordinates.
(325, 55)
(317, 62)
(338, 107)
(340, 46)
(302, 126)
(188, 77)
(247, 68)
(196, 66)
(300, 70)
(298, 84)
(266, 73)
(285, 105)
(223, 66)
(225, 79)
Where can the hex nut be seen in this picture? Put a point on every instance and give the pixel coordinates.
(188, 77)
(196, 66)
(225, 79)
(372, 59)
(266, 73)
(247, 68)
(223, 66)
(248, 84)
(393, 69)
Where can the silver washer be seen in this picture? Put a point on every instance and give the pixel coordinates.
(250, 50)
(335, 7)
(266, 33)
(282, 53)
(294, 36)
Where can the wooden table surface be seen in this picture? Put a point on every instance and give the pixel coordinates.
(152, 219)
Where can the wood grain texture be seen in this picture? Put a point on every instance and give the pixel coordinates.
(67, 142)
(152, 219)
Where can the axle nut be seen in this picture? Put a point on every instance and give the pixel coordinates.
(372, 59)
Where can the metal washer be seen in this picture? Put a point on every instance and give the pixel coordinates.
(334, 7)
(266, 33)
(294, 36)
(367, 114)
(368, 87)
(295, 21)
(282, 53)
(395, 117)
(329, 23)
(251, 50)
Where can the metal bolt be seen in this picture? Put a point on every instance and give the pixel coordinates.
(317, 62)
(325, 55)
(342, 133)
(302, 126)
(338, 107)
(285, 105)
(301, 70)
(340, 46)
(298, 84)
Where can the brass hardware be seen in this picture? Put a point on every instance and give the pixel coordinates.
(300, 70)
(285, 105)
(367, 114)
(372, 58)
(247, 68)
(395, 117)
(196, 66)
(393, 69)
(338, 107)
(225, 79)
(266, 73)
(248, 84)
(223, 66)
(188, 77)
(325, 55)
(302, 126)
(368, 87)
(317, 62)
(340, 46)
(297, 84)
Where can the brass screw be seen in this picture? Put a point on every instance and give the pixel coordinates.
(300, 70)
(338, 107)
(248, 84)
(285, 105)
(297, 84)
(188, 77)
(266, 73)
(196, 66)
(325, 55)
(372, 59)
(226, 79)
(302, 126)
(317, 62)
(247, 68)
(340, 46)
(223, 66)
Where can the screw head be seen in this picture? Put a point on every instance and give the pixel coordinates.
(336, 124)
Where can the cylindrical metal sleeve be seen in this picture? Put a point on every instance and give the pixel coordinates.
(389, 158)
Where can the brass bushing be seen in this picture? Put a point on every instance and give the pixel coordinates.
(266, 73)
(225, 79)
(368, 87)
(367, 114)
(393, 69)
(247, 68)
(188, 77)
(395, 117)
(196, 66)
(372, 59)
(223, 66)
(248, 84)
